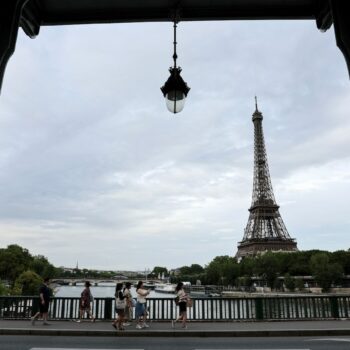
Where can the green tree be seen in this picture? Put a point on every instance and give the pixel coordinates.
(222, 270)
(324, 272)
(27, 283)
(244, 282)
(267, 267)
(289, 282)
(196, 269)
(299, 284)
(247, 266)
(342, 258)
(42, 267)
(3, 289)
(159, 270)
(300, 263)
(13, 261)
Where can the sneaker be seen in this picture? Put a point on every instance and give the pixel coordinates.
(126, 324)
(172, 324)
(32, 321)
(145, 325)
(184, 327)
(77, 321)
(46, 324)
(139, 326)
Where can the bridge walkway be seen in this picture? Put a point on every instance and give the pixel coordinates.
(196, 329)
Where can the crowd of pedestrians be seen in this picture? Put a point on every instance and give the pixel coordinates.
(124, 305)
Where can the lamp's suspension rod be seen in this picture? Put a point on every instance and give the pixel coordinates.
(175, 43)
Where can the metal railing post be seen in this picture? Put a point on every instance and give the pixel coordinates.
(108, 309)
(334, 307)
(259, 312)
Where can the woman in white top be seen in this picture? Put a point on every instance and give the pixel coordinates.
(141, 309)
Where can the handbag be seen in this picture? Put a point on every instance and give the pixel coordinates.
(120, 304)
(189, 302)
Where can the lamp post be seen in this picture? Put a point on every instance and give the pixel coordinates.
(175, 89)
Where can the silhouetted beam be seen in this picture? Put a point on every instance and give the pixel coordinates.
(10, 13)
(341, 19)
(58, 12)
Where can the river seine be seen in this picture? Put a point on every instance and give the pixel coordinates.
(106, 290)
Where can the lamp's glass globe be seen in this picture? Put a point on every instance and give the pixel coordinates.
(175, 101)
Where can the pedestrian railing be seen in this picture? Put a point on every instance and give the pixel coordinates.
(203, 309)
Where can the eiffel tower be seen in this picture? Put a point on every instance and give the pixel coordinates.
(265, 230)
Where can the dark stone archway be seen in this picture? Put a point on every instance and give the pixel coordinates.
(32, 14)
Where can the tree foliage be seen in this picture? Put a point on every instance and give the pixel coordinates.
(289, 282)
(14, 260)
(325, 273)
(222, 270)
(3, 289)
(326, 267)
(27, 283)
(22, 271)
(159, 270)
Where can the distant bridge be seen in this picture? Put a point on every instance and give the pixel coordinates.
(97, 281)
(81, 281)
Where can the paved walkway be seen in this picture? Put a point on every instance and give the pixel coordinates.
(195, 329)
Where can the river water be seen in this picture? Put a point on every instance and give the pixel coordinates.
(106, 290)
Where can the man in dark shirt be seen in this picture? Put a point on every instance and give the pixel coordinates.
(44, 294)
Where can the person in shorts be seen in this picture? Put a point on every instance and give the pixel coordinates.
(44, 302)
(141, 308)
(181, 300)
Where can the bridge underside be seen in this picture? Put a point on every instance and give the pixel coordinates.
(255, 247)
(31, 14)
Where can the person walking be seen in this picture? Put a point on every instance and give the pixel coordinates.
(129, 304)
(44, 295)
(141, 309)
(181, 300)
(120, 304)
(86, 299)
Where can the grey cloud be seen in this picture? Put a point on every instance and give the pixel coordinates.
(91, 151)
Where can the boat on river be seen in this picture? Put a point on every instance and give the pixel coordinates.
(165, 288)
(149, 285)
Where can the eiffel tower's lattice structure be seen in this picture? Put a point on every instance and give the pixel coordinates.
(265, 230)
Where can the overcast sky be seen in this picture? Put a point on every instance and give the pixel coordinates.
(94, 169)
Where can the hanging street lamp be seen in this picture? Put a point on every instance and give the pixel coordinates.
(175, 89)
